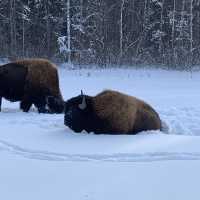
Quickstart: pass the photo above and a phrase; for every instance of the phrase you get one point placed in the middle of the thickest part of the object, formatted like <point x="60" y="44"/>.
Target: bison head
<point x="55" y="104"/>
<point x="78" y="113"/>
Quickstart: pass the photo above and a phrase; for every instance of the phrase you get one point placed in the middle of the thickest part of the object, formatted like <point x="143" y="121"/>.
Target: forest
<point x="163" y="33"/>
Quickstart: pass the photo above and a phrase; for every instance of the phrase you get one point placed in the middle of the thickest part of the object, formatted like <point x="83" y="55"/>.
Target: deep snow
<point x="43" y="159"/>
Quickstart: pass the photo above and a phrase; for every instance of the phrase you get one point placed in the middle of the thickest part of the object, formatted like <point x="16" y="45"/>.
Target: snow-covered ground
<point x="43" y="159"/>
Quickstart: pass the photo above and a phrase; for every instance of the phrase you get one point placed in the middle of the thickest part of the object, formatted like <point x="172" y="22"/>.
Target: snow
<point x="43" y="159"/>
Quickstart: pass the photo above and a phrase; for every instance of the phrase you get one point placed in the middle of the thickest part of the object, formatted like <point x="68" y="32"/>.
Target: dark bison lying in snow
<point x="31" y="81"/>
<point x="110" y="112"/>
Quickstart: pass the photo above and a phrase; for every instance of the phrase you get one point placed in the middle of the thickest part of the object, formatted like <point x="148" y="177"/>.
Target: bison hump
<point x="116" y="109"/>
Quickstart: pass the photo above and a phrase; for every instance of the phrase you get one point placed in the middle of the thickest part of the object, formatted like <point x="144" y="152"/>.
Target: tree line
<point x="122" y="32"/>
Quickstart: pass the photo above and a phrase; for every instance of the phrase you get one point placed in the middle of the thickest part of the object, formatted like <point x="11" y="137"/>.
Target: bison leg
<point x="42" y="109"/>
<point x="0" y="103"/>
<point x="41" y="106"/>
<point x="25" y="105"/>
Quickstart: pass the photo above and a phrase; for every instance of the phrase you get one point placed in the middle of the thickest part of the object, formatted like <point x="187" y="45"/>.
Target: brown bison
<point x="32" y="81"/>
<point x="110" y="112"/>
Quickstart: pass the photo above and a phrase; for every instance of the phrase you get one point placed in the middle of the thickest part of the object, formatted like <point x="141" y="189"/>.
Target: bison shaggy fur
<point x="31" y="81"/>
<point x="110" y="112"/>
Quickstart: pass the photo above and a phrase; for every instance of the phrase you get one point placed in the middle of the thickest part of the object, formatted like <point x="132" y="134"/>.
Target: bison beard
<point x="31" y="82"/>
<point x="110" y="112"/>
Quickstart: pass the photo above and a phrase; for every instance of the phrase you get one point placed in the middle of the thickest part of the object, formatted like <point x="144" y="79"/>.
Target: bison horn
<point x="83" y="104"/>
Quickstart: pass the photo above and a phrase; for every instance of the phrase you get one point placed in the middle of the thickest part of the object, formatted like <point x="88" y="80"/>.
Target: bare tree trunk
<point x="81" y="13"/>
<point x="198" y="33"/>
<point x="11" y="27"/>
<point x="121" y="29"/>
<point x="191" y="36"/>
<point x="47" y="27"/>
<point x="182" y="21"/>
<point x="161" y="29"/>
<point x="173" y="33"/>
<point x="23" y="35"/>
<point x="191" y="28"/>
<point x="144" y="27"/>
<point x="68" y="31"/>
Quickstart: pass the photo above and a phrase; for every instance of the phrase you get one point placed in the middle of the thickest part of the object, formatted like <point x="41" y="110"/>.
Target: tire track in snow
<point x="118" y="157"/>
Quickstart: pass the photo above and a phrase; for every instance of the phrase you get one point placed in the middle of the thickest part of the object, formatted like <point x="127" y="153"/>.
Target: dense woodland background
<point x="122" y="32"/>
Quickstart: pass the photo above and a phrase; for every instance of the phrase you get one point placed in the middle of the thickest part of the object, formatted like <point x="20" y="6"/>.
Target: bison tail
<point x="164" y="127"/>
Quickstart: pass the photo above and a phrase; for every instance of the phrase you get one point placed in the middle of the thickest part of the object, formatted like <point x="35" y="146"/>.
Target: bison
<point x="110" y="112"/>
<point x="32" y="81"/>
